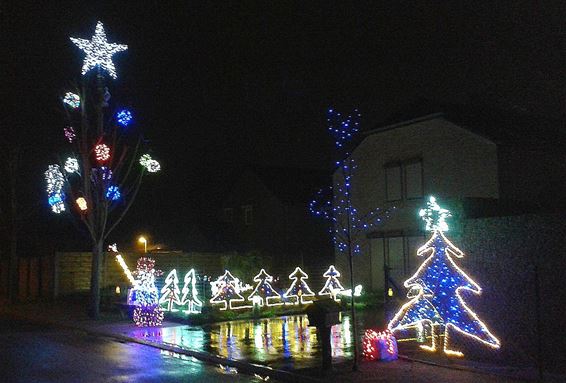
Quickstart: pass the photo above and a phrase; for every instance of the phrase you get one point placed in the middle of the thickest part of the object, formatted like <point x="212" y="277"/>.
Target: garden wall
<point x="506" y="256"/>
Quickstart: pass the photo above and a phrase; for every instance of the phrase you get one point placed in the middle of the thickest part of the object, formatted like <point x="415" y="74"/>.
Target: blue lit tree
<point x="349" y="225"/>
<point x="103" y="170"/>
<point x="435" y="290"/>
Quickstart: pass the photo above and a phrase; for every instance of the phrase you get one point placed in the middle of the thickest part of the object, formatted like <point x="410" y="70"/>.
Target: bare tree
<point x="335" y="204"/>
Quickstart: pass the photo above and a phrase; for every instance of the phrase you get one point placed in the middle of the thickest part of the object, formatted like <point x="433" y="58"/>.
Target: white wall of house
<point x="398" y="166"/>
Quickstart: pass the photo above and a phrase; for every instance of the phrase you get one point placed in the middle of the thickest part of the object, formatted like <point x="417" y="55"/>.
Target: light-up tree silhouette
<point x="190" y="293"/>
<point x="332" y="286"/>
<point x="170" y="293"/>
<point x="299" y="289"/>
<point x="349" y="225"/>
<point x="226" y="291"/>
<point x="435" y="290"/>
<point x="263" y="292"/>
<point x="99" y="180"/>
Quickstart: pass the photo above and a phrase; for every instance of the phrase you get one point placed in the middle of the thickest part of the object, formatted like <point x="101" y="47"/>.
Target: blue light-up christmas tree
<point x="101" y="177"/>
<point x="435" y="290"/>
<point x="349" y="225"/>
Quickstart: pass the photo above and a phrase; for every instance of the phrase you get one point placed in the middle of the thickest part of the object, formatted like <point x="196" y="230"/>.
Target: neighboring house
<point x="266" y="211"/>
<point x="400" y="164"/>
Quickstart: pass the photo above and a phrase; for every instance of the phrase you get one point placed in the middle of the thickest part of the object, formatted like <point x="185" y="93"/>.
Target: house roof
<point x="292" y="185"/>
<point x="503" y="127"/>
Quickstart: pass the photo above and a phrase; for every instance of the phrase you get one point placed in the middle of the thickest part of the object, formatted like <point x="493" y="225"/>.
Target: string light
<point x="102" y="152"/>
<point x="82" y="204"/>
<point x="263" y="291"/>
<point x="342" y="128"/>
<point x="99" y="51"/>
<point x="435" y="216"/>
<point x="150" y="164"/>
<point x="125" y="267"/>
<point x="145" y="294"/>
<point x="190" y="294"/>
<point x="332" y="287"/>
<point x="69" y="133"/>
<point x="380" y="345"/>
<point x="55" y="195"/>
<point x="71" y="165"/>
<point x="72" y="99"/>
<point x="113" y="193"/>
<point x="299" y="289"/>
<point x="124" y="117"/>
<point x="170" y="293"/>
<point x="435" y="290"/>
<point x="226" y="292"/>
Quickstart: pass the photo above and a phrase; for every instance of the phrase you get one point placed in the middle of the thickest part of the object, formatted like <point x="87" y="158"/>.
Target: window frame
<point x="248" y="220"/>
<point x="391" y="165"/>
<point x="411" y="161"/>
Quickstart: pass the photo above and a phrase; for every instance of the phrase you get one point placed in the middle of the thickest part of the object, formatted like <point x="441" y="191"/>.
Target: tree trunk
<point x="97" y="254"/>
<point x="13" y="272"/>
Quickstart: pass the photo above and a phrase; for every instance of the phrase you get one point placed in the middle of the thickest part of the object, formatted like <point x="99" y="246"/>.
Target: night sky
<point x="216" y="86"/>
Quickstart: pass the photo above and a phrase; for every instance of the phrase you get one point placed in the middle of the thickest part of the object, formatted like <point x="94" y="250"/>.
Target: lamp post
<point x="143" y="240"/>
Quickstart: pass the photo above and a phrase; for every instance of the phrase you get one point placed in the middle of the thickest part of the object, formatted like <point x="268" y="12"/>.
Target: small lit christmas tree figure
<point x="170" y="292"/>
<point x="263" y="292"/>
<point x="299" y="289"/>
<point x="145" y="295"/>
<point x="190" y="294"/>
<point x="226" y="291"/>
<point x="435" y="290"/>
<point x="332" y="286"/>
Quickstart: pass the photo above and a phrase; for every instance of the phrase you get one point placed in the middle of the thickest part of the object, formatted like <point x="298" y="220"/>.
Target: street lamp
<point x="143" y="240"/>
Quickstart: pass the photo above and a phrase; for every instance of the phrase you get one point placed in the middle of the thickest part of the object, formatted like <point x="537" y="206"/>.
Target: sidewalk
<point x="73" y="316"/>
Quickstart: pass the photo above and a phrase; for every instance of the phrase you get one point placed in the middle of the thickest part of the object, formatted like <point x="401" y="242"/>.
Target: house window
<point x="404" y="180"/>
<point x="393" y="182"/>
<point x="228" y="214"/>
<point x="413" y="179"/>
<point x="248" y="214"/>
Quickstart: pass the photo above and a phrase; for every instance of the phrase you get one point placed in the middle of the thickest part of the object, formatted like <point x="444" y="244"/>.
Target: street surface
<point x="30" y="353"/>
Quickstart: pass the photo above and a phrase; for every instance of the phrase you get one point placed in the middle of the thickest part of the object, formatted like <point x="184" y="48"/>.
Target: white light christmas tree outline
<point x="435" y="216"/>
<point x="332" y="287"/>
<point x="263" y="277"/>
<point x="170" y="292"/>
<point x="99" y="51"/>
<point x="299" y="298"/>
<point x="229" y="281"/>
<point x="194" y="301"/>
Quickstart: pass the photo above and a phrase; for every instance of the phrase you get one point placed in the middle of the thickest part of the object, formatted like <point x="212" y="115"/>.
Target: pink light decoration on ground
<point x="379" y="345"/>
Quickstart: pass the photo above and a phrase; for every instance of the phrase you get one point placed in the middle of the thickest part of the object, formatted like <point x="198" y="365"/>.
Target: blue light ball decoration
<point x="124" y="117"/>
<point x="113" y="193"/>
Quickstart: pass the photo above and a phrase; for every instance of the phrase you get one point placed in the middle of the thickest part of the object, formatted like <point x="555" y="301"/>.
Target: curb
<point x="249" y="368"/>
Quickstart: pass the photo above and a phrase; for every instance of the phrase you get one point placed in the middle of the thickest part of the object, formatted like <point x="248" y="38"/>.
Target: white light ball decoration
<point x="82" y="204"/>
<point x="150" y="164"/>
<point x="55" y="181"/>
<point x="71" y="165"/>
<point x="54" y="178"/>
<point x="72" y="99"/>
<point x="102" y="152"/>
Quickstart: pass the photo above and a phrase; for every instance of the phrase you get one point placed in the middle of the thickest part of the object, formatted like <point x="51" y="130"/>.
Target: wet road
<point x="29" y="353"/>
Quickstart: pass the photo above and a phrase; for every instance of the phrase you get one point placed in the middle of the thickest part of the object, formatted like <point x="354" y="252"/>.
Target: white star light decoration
<point x="435" y="216"/>
<point x="99" y="51"/>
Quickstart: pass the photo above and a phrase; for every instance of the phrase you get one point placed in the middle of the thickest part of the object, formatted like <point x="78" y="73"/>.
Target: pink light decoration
<point x="70" y="134"/>
<point x="379" y="345"/>
<point x="102" y="152"/>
